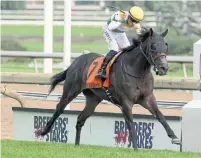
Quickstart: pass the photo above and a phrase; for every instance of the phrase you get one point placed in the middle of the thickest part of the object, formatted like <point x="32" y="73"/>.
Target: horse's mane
<point x="136" y="41"/>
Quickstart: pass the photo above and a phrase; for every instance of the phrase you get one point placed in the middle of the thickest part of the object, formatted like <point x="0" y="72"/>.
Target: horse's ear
<point x="151" y="32"/>
<point x="164" y="33"/>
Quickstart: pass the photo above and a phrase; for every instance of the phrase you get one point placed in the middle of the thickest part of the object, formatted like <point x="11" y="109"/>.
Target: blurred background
<point x="22" y="29"/>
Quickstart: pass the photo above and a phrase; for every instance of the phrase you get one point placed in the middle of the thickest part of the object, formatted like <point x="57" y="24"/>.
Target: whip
<point x="116" y="8"/>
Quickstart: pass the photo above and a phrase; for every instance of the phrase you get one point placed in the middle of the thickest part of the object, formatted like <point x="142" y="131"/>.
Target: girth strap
<point x="111" y="98"/>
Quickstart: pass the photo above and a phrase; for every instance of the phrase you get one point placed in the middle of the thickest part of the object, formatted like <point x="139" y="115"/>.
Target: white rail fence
<point x="79" y="18"/>
<point x="93" y="14"/>
<point x="176" y="83"/>
<point x="183" y="60"/>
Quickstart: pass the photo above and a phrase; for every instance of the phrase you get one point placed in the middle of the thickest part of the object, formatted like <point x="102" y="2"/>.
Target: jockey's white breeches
<point x="116" y="40"/>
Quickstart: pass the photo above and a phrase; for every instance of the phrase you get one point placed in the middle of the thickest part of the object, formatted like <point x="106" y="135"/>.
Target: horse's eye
<point x="166" y="46"/>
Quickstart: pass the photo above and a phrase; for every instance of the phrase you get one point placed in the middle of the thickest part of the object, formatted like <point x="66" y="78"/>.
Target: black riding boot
<point x="102" y="70"/>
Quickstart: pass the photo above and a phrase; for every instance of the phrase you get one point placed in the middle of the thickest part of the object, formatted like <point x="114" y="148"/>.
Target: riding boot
<point x="102" y="71"/>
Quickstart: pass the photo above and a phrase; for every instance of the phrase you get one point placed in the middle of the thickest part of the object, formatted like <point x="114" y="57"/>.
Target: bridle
<point x="151" y="59"/>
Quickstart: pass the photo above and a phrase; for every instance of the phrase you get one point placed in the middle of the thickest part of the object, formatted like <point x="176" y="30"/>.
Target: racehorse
<point x="131" y="82"/>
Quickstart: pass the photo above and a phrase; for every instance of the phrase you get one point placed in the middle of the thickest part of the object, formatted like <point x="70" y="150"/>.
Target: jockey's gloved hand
<point x="126" y="16"/>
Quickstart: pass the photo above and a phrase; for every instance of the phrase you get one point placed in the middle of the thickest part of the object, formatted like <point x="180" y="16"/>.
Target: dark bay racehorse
<point x="131" y="82"/>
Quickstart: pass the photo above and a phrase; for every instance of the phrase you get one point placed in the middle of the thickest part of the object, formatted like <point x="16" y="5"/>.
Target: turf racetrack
<point x="23" y="149"/>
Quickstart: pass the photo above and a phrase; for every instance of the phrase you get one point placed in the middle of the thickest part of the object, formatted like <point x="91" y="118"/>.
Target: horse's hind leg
<point x="70" y="91"/>
<point x="151" y="104"/>
<point x="91" y="102"/>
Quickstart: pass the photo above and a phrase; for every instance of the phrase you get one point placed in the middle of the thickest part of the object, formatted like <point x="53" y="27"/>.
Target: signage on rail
<point x="105" y="129"/>
<point x="144" y="134"/>
<point x="59" y="131"/>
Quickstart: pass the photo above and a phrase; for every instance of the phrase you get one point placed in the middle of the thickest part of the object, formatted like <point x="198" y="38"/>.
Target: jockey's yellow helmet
<point x="136" y="13"/>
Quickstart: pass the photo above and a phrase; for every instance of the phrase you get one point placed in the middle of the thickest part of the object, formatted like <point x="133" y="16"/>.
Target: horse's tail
<point x="57" y="78"/>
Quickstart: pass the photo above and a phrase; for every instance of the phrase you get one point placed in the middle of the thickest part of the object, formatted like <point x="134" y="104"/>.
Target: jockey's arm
<point x="115" y="24"/>
<point x="116" y="20"/>
<point x="138" y="28"/>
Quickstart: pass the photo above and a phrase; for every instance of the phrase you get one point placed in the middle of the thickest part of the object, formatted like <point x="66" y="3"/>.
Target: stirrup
<point x="101" y="74"/>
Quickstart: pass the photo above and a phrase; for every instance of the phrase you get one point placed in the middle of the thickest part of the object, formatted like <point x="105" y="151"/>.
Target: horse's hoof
<point x="176" y="141"/>
<point x="38" y="132"/>
<point x="135" y="148"/>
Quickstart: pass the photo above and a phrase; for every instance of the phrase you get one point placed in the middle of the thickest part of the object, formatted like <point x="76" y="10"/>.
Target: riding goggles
<point x="133" y="20"/>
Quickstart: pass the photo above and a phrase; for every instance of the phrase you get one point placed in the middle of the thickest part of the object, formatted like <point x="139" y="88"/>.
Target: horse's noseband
<point x="161" y="55"/>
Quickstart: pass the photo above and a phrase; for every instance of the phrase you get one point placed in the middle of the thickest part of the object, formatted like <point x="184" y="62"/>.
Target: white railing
<point x="177" y="83"/>
<point x="59" y="55"/>
<point x="81" y="14"/>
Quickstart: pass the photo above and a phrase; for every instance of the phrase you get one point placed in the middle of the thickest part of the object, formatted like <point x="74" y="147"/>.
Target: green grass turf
<point x="98" y="47"/>
<point x="23" y="149"/>
<point x="57" y="30"/>
<point x="22" y="67"/>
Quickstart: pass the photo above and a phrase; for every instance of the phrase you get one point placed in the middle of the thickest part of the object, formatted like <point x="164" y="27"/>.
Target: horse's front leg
<point x="127" y="112"/>
<point x="150" y="103"/>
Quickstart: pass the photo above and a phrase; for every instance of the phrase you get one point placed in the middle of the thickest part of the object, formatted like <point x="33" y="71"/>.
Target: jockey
<point x="114" y="33"/>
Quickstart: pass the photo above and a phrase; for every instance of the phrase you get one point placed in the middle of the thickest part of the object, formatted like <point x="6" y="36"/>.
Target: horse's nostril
<point x="163" y="68"/>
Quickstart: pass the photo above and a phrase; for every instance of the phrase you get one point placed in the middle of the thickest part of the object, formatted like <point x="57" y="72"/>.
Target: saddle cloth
<point x="93" y="82"/>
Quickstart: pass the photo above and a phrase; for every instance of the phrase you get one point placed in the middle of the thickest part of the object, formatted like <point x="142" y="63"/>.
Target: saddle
<point x="93" y="82"/>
